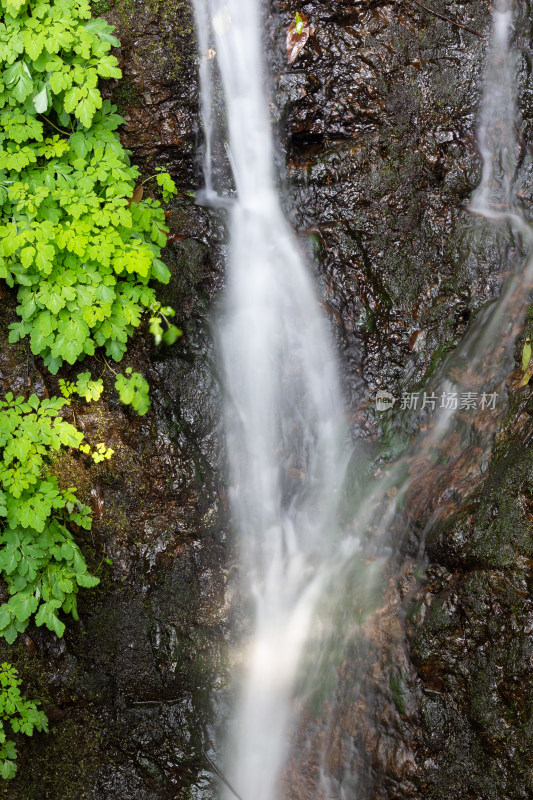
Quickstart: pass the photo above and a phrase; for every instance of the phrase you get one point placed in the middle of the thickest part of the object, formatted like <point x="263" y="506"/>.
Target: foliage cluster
<point x="81" y="244"/>
<point x="160" y="327"/>
<point x="40" y="562"/>
<point x="133" y="390"/>
<point x="72" y="238"/>
<point x="22" y="715"/>
<point x="85" y="386"/>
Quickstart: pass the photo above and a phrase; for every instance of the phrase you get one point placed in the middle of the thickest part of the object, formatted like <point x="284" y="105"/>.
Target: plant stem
<point x="448" y="19"/>
<point x="59" y="130"/>
<point x="108" y="366"/>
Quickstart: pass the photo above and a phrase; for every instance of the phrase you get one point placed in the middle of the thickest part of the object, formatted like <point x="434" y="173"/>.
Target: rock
<point x="382" y="158"/>
<point x="381" y="149"/>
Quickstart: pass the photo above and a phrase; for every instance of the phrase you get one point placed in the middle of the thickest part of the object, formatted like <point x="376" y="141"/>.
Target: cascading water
<point x="284" y="413"/>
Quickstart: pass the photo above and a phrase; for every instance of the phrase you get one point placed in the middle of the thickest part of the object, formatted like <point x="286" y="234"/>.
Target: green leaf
<point x="8" y="769"/>
<point x="79" y="563"/>
<point x="26" y="256"/>
<point x="41" y="101"/>
<point x="87" y="388"/>
<point x="167" y="185"/>
<point x="54" y="624"/>
<point x="160" y="271"/>
<point x="5" y="616"/>
<point x="526" y="355"/>
<point x="170" y="336"/>
<point x="10" y="634"/>
<point x="87" y="581"/>
<point x="18" y="79"/>
<point x="67" y="551"/>
<point x="103" y="31"/>
<point x="23" y="605"/>
<point x="59" y="81"/>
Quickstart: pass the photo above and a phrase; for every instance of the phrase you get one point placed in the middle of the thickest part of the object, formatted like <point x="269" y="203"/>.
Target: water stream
<point x="284" y="416"/>
<point x="284" y="413"/>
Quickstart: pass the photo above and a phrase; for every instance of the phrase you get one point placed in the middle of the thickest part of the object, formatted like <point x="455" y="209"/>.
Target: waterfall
<point x="493" y="198"/>
<point x="284" y="415"/>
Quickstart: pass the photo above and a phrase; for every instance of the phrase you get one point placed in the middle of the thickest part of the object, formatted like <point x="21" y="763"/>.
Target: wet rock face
<point x="380" y="135"/>
<point x="472" y="642"/>
<point x="379" y="131"/>
<point x="382" y="161"/>
<point x="158" y="93"/>
<point x="128" y="690"/>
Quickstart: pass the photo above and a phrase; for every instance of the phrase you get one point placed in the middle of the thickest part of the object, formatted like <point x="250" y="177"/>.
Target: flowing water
<point x="284" y="413"/>
<point x="284" y="417"/>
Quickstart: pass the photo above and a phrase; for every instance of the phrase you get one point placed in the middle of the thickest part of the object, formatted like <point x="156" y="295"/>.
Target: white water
<point x="284" y="413"/>
<point x="493" y="198"/>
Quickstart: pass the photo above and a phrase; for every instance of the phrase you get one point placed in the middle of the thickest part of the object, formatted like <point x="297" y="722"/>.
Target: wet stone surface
<point x="158" y="93"/>
<point x="128" y="689"/>
<point x="382" y="161"/>
<point x="380" y="137"/>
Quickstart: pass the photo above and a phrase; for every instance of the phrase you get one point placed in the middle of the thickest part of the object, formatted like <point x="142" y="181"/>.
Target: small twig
<point x="449" y="19"/>
<point x="28" y="382"/>
<point x="220" y="775"/>
<point x="155" y="702"/>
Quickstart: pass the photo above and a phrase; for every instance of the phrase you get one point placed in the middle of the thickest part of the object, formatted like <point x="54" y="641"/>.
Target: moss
<point x="72" y="744"/>
<point x="495" y="531"/>
<point x="398" y="688"/>
<point x="71" y="472"/>
<point x="31" y="669"/>
<point x="437" y="357"/>
<point x="474" y="648"/>
<point x="126" y="95"/>
<point x="99" y="7"/>
<point x="171" y="50"/>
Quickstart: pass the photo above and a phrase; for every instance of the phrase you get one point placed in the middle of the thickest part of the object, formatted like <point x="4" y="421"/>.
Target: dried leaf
<point x="416" y="340"/>
<point x="137" y="195"/>
<point x="297" y="37"/>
